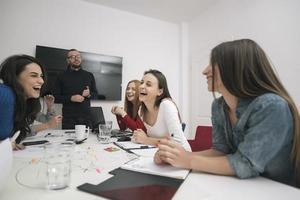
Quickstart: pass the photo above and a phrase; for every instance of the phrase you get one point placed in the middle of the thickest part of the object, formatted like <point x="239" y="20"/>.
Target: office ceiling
<point x="175" y="11"/>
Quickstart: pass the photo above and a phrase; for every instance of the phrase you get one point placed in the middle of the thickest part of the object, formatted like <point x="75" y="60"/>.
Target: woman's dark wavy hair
<point x="132" y="108"/>
<point x="246" y="72"/>
<point x="162" y="84"/>
<point x="25" y="109"/>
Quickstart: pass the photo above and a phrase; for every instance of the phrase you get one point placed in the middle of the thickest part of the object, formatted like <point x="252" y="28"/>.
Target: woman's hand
<point x="17" y="147"/>
<point x="54" y="121"/>
<point x="49" y="99"/>
<point x="139" y="136"/>
<point x="173" y="153"/>
<point x="113" y="109"/>
<point x="117" y="110"/>
<point x="158" y="160"/>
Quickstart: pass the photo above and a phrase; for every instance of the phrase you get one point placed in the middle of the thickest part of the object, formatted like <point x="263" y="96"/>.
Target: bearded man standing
<point x="74" y="89"/>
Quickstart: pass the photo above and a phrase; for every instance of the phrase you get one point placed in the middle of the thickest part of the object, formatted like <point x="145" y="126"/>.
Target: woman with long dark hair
<point x="22" y="80"/>
<point x="256" y="124"/>
<point x="24" y="76"/>
<point x="159" y="112"/>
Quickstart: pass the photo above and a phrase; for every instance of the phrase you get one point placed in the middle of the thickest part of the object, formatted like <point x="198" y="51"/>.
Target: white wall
<point x="142" y="42"/>
<point x="145" y="42"/>
<point x="274" y="24"/>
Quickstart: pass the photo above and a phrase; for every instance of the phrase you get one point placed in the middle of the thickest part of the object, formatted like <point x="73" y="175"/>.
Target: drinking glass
<point x="104" y="135"/>
<point x="58" y="157"/>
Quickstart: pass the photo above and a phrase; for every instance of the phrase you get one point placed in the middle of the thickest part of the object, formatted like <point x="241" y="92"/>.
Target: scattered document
<point x="147" y="165"/>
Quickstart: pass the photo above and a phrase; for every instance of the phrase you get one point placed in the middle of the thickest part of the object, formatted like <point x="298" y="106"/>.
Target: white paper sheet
<point x="147" y="165"/>
<point x="145" y="152"/>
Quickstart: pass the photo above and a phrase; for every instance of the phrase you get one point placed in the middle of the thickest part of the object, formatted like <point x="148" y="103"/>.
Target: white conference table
<point x="92" y="164"/>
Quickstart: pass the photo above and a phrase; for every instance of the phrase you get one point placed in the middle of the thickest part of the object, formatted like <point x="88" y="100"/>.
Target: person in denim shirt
<point x="256" y="144"/>
<point x="256" y="124"/>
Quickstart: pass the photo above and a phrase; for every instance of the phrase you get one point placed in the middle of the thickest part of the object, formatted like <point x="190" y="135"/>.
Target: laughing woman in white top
<point x="159" y="113"/>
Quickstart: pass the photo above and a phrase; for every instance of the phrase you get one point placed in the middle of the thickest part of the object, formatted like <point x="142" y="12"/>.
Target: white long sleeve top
<point x="168" y="124"/>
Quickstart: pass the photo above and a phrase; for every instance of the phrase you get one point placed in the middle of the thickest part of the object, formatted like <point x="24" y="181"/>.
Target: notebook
<point x="130" y="185"/>
<point x="147" y="165"/>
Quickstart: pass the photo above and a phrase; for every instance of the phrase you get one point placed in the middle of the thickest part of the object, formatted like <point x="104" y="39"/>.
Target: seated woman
<point x="256" y="125"/>
<point x="159" y="113"/>
<point x="128" y="117"/>
<point x="49" y="120"/>
<point x="22" y="78"/>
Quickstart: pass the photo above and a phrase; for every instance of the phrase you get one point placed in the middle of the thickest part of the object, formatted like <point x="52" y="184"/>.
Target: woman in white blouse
<point x="158" y="112"/>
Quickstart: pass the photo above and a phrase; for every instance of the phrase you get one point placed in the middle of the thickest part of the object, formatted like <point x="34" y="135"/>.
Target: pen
<point x="132" y="160"/>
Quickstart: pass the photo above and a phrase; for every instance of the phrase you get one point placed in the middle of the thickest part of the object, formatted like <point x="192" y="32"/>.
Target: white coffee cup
<point x="81" y="132"/>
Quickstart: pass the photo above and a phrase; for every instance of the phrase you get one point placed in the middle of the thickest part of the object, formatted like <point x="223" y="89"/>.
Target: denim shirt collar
<point x="241" y="107"/>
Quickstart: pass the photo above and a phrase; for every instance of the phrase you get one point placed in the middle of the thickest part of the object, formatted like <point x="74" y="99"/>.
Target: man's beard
<point x="76" y="67"/>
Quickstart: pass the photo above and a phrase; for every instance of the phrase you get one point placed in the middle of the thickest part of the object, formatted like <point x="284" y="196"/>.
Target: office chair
<point x="203" y="139"/>
<point x="97" y="117"/>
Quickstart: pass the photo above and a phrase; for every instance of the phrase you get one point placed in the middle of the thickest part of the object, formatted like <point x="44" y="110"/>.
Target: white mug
<point x="81" y="132"/>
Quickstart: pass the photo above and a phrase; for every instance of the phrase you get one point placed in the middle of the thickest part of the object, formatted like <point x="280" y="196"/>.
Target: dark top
<point x="73" y="82"/>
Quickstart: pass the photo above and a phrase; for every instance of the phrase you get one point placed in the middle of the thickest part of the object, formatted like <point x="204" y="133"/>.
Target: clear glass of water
<point x="58" y="157"/>
<point x="104" y="135"/>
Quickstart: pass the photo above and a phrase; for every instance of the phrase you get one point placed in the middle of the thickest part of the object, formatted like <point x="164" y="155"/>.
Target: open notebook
<point x="147" y="165"/>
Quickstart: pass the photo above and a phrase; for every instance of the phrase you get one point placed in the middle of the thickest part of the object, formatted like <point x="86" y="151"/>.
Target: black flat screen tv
<point x="106" y="69"/>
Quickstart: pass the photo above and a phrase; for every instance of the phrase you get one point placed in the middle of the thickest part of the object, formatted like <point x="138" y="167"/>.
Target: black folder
<point x="130" y="185"/>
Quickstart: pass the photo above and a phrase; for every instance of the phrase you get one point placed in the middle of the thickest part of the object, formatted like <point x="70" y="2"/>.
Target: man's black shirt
<point x="72" y="82"/>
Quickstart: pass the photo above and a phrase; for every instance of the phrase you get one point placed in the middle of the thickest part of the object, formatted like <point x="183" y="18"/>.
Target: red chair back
<point x="203" y="139"/>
